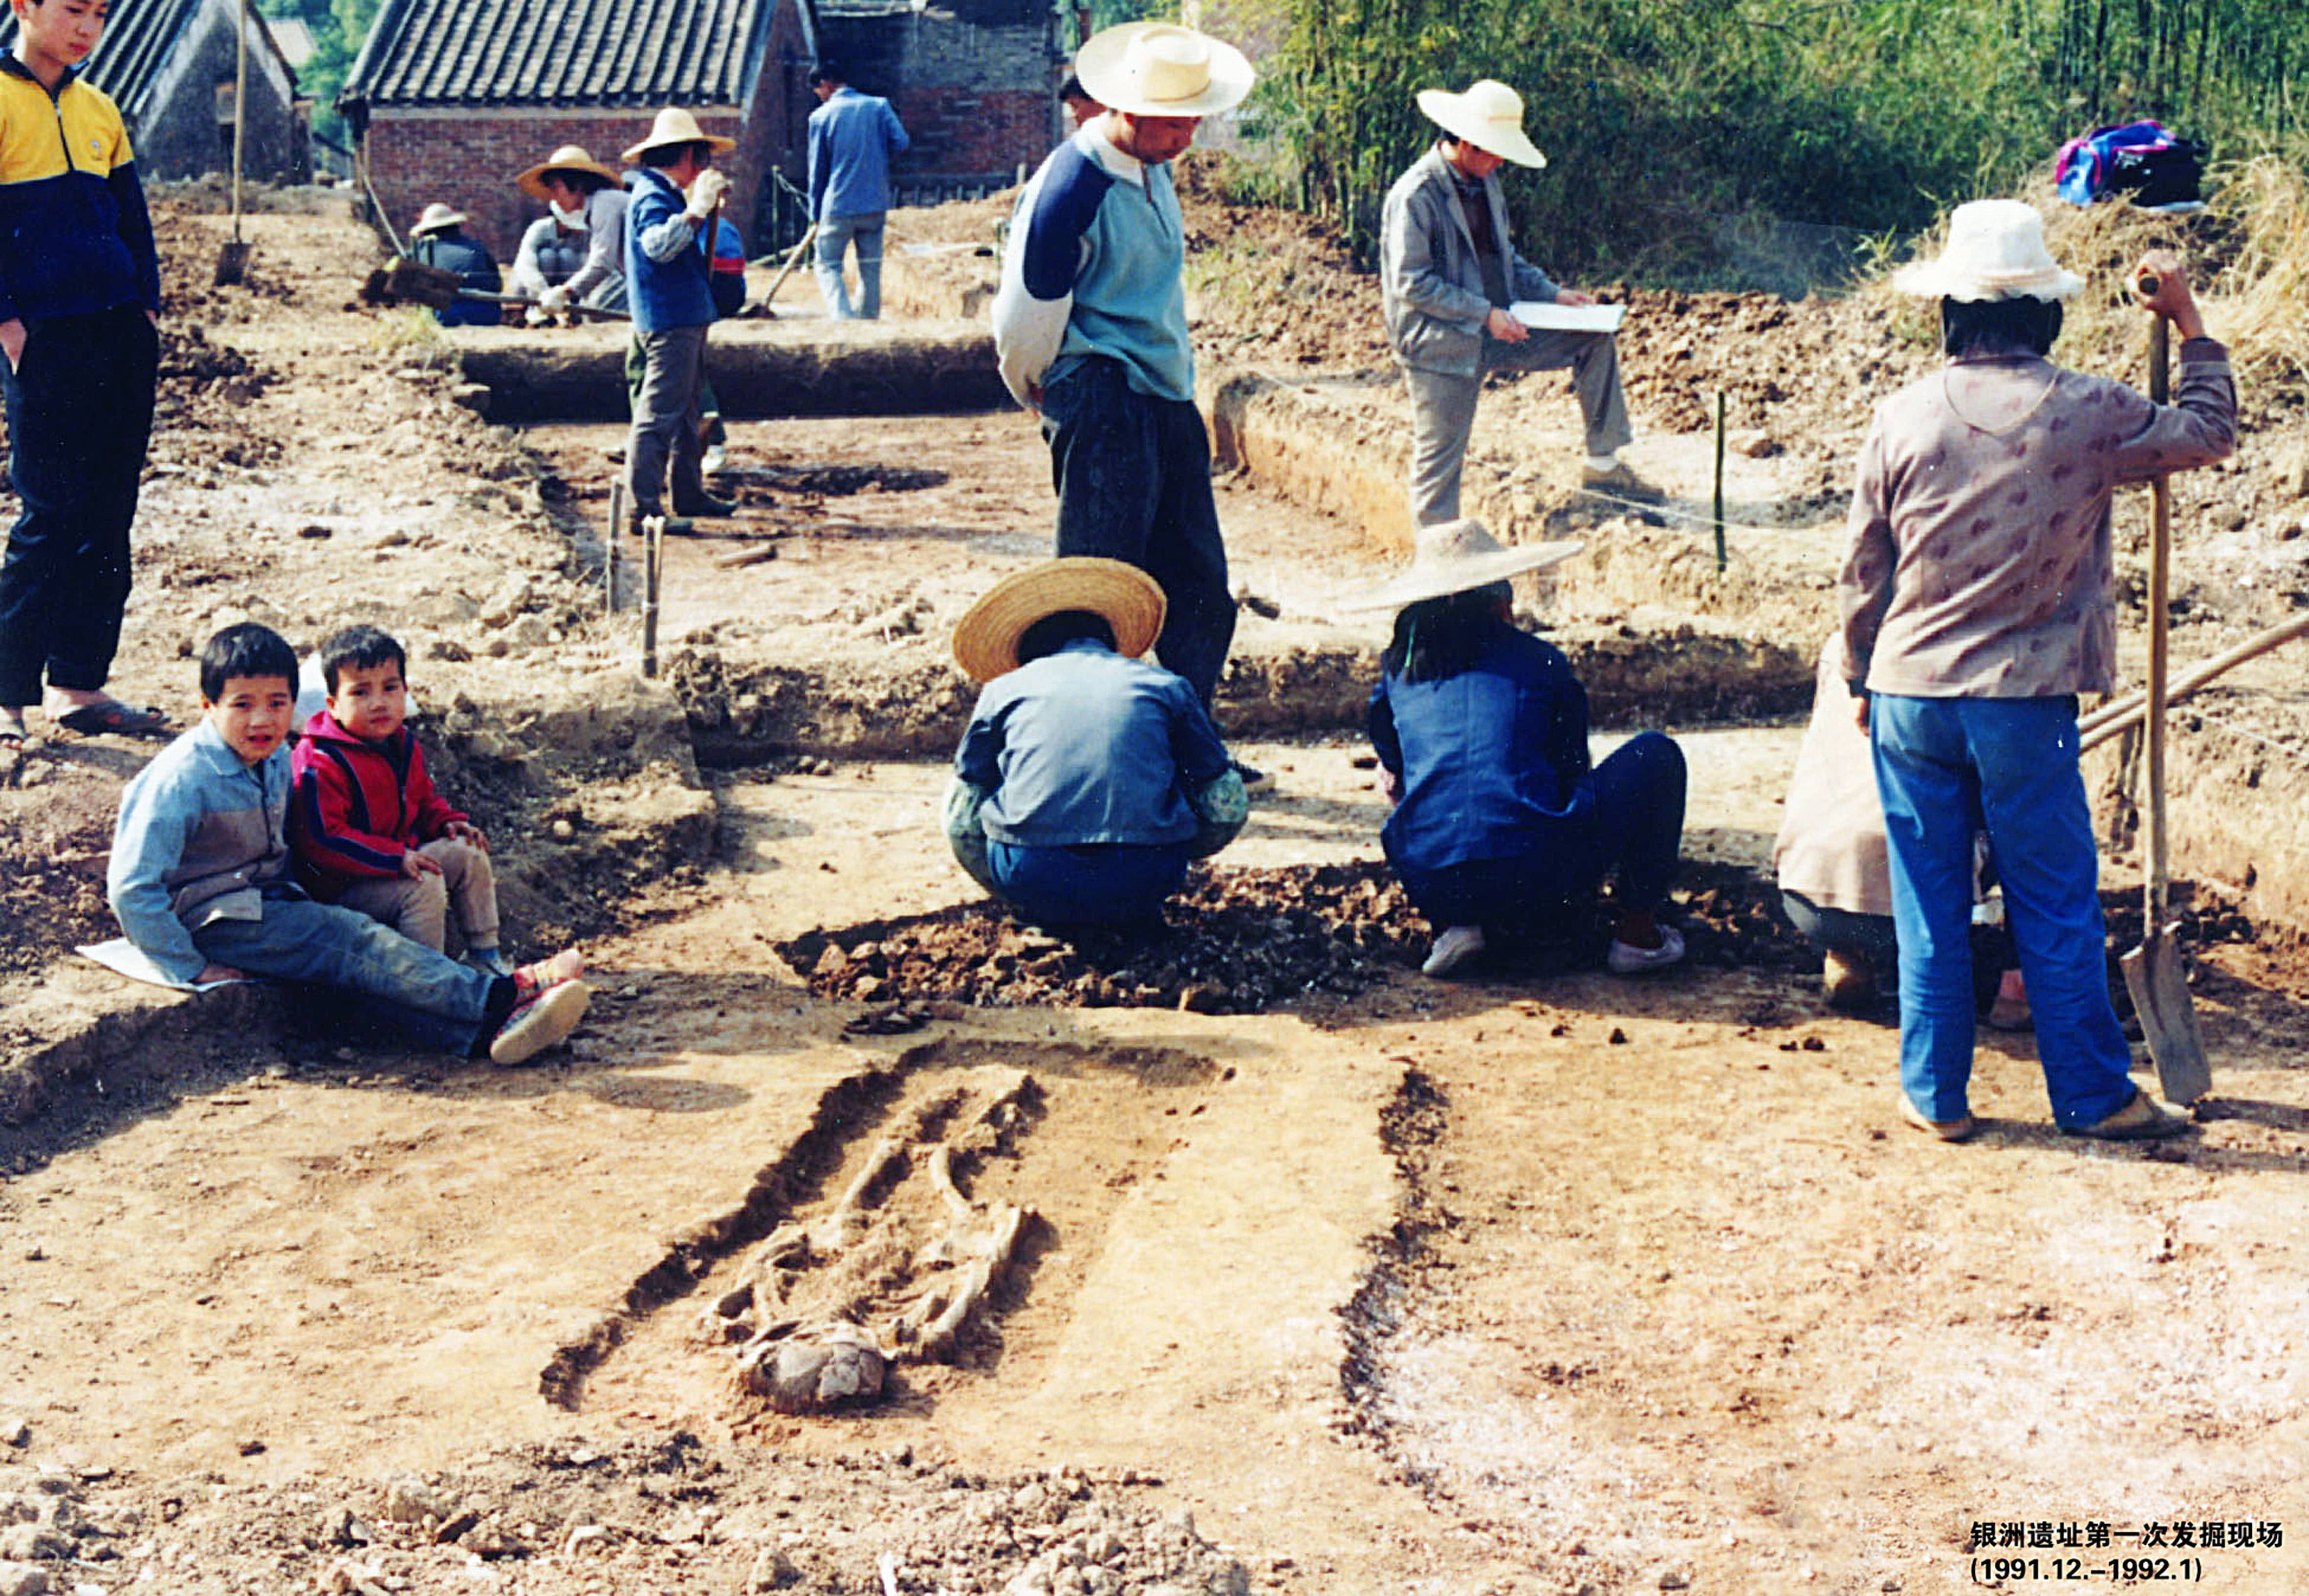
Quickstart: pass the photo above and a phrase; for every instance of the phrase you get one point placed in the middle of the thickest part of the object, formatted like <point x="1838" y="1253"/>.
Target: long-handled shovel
<point x="2152" y="971"/>
<point x="232" y="260"/>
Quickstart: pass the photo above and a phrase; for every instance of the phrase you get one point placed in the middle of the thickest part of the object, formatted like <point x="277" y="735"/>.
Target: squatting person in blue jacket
<point x="1482" y="730"/>
<point x="1088" y="779"/>
<point x="79" y="300"/>
<point x="1090" y="327"/>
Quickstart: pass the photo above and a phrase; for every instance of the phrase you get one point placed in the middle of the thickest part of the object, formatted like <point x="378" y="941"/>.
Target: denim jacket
<point x="202" y="836"/>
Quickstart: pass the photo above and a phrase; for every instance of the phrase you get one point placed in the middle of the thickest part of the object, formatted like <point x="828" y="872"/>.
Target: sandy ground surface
<point x="1530" y="1283"/>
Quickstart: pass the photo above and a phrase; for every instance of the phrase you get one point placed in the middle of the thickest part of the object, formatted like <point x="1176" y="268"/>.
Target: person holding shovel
<point x="588" y="202"/>
<point x="668" y="278"/>
<point x="1976" y="600"/>
<point x="439" y="239"/>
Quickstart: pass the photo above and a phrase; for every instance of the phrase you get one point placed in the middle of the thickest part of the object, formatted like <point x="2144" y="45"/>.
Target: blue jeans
<point x="1634" y="826"/>
<point x="1114" y="884"/>
<point x="1134" y="480"/>
<point x="441" y="1004"/>
<point x="837" y="234"/>
<point x="1869" y="936"/>
<point x="1946" y="767"/>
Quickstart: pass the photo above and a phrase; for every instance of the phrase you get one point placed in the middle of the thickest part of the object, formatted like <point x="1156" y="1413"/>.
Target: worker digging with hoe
<point x="669" y="280"/>
<point x="1090" y="329"/>
<point x="1449" y="270"/>
<point x="439" y="240"/>
<point x="1976" y="597"/>
<point x="79" y="304"/>
<point x="852" y="138"/>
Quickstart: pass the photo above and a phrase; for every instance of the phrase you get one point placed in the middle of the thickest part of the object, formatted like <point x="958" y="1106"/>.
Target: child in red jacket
<point x="368" y="831"/>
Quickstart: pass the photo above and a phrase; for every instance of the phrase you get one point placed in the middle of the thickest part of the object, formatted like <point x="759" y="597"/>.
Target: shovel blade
<point x="232" y="263"/>
<point x="2168" y="1016"/>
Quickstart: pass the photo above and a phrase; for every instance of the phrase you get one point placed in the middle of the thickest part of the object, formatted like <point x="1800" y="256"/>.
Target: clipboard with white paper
<point x="1545" y="317"/>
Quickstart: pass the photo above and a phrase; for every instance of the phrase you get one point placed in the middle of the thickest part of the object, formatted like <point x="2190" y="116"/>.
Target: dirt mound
<point x="669" y="1513"/>
<point x="1243" y="941"/>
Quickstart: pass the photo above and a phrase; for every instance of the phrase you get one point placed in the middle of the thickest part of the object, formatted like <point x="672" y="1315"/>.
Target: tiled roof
<point x="139" y="40"/>
<point x="643" y="53"/>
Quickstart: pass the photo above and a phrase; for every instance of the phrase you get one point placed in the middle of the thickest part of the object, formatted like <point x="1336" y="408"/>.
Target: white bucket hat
<point x="1995" y="250"/>
<point x="1157" y="69"/>
<point x="1489" y="115"/>
<point x="676" y="127"/>
<point x="435" y="217"/>
<point x="1451" y="557"/>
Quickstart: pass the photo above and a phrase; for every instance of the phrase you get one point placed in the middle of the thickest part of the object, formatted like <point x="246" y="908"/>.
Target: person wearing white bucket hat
<point x="1499" y="823"/>
<point x="1090" y="327"/>
<point x="1449" y="270"/>
<point x="1976" y="597"/>
<point x="1088" y="779"/>
<point x="438" y="240"/>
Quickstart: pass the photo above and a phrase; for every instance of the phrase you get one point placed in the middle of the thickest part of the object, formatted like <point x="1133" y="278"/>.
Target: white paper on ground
<point x="124" y="957"/>
<point x="1568" y="318"/>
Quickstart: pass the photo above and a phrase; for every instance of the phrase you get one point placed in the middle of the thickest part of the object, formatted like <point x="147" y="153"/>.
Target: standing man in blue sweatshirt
<point x="79" y="299"/>
<point x="668" y="285"/>
<point x="1090" y="327"/>
<point x="852" y="138"/>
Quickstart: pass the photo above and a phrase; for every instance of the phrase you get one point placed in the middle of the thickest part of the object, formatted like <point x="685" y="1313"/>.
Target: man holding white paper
<point x="1461" y="302"/>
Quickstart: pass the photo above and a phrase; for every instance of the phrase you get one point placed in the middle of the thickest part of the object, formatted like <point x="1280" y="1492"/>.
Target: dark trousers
<point x="1634" y="827"/>
<point x="1134" y="480"/>
<point x="1115" y="883"/>
<point x="80" y="416"/>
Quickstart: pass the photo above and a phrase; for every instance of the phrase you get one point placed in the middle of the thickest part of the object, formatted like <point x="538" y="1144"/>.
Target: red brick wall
<point x="955" y="129"/>
<point x="469" y="162"/>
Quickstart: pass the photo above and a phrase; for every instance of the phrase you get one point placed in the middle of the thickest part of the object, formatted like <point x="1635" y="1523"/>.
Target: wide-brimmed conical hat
<point x="1159" y="69"/>
<point x="569" y="157"/>
<point x="1130" y="601"/>
<point x="1489" y="115"/>
<point x="1452" y="556"/>
<point x="676" y="126"/>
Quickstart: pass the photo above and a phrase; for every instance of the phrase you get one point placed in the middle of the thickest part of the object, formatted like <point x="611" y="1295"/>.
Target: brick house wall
<point x="469" y="161"/>
<point x="975" y="83"/>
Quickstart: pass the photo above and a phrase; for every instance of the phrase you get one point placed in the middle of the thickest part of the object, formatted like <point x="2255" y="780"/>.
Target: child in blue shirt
<point x="201" y="880"/>
<point x="1088" y="779"/>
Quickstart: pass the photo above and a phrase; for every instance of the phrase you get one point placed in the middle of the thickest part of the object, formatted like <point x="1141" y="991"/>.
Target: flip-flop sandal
<point x="115" y="719"/>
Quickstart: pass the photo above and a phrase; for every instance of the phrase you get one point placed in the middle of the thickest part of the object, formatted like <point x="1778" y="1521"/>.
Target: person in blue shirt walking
<point x="1090" y="328"/>
<point x="1089" y="781"/>
<point x="852" y="138"/>
<point x="1482" y="730"/>
<point x="668" y="285"/>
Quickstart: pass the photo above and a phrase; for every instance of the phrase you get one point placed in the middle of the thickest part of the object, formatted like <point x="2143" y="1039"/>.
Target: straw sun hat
<point x="1157" y="69"/>
<point x="435" y="217"/>
<point x="1452" y="556"/>
<point x="986" y="641"/>
<point x="1489" y="115"/>
<point x="569" y="157"/>
<point x="1995" y="250"/>
<point x="675" y="127"/>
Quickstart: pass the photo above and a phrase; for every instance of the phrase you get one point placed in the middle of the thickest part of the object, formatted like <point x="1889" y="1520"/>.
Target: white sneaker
<point x="715" y="460"/>
<point x="1456" y="946"/>
<point x="1624" y="959"/>
<point x="536" y="1025"/>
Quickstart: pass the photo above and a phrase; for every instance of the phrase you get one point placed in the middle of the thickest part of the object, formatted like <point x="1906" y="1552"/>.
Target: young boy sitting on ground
<point x="1088" y="779"/>
<point x="201" y="882"/>
<point x="368" y="828"/>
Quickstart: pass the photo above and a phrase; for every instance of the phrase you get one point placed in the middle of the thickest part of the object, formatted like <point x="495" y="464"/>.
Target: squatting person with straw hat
<point x="669" y="280"/>
<point x="1088" y="779"/>
<point x="588" y="199"/>
<point x="1499" y="823"/>
<point x="1090" y="327"/>
<point x="1976" y="602"/>
<point x="1449" y="270"/>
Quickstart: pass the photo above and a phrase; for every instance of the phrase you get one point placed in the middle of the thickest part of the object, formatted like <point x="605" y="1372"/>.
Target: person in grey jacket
<point x="1448" y="271"/>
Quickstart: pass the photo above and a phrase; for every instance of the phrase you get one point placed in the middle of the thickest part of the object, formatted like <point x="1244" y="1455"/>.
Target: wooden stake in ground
<point x="2152" y="971"/>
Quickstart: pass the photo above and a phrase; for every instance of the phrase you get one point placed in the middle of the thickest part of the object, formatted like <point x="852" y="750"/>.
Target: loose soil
<point x="1540" y="1282"/>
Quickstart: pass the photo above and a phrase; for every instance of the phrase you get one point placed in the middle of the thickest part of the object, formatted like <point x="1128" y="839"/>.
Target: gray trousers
<point x="1443" y="409"/>
<point x="666" y="421"/>
<point x="420" y="910"/>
